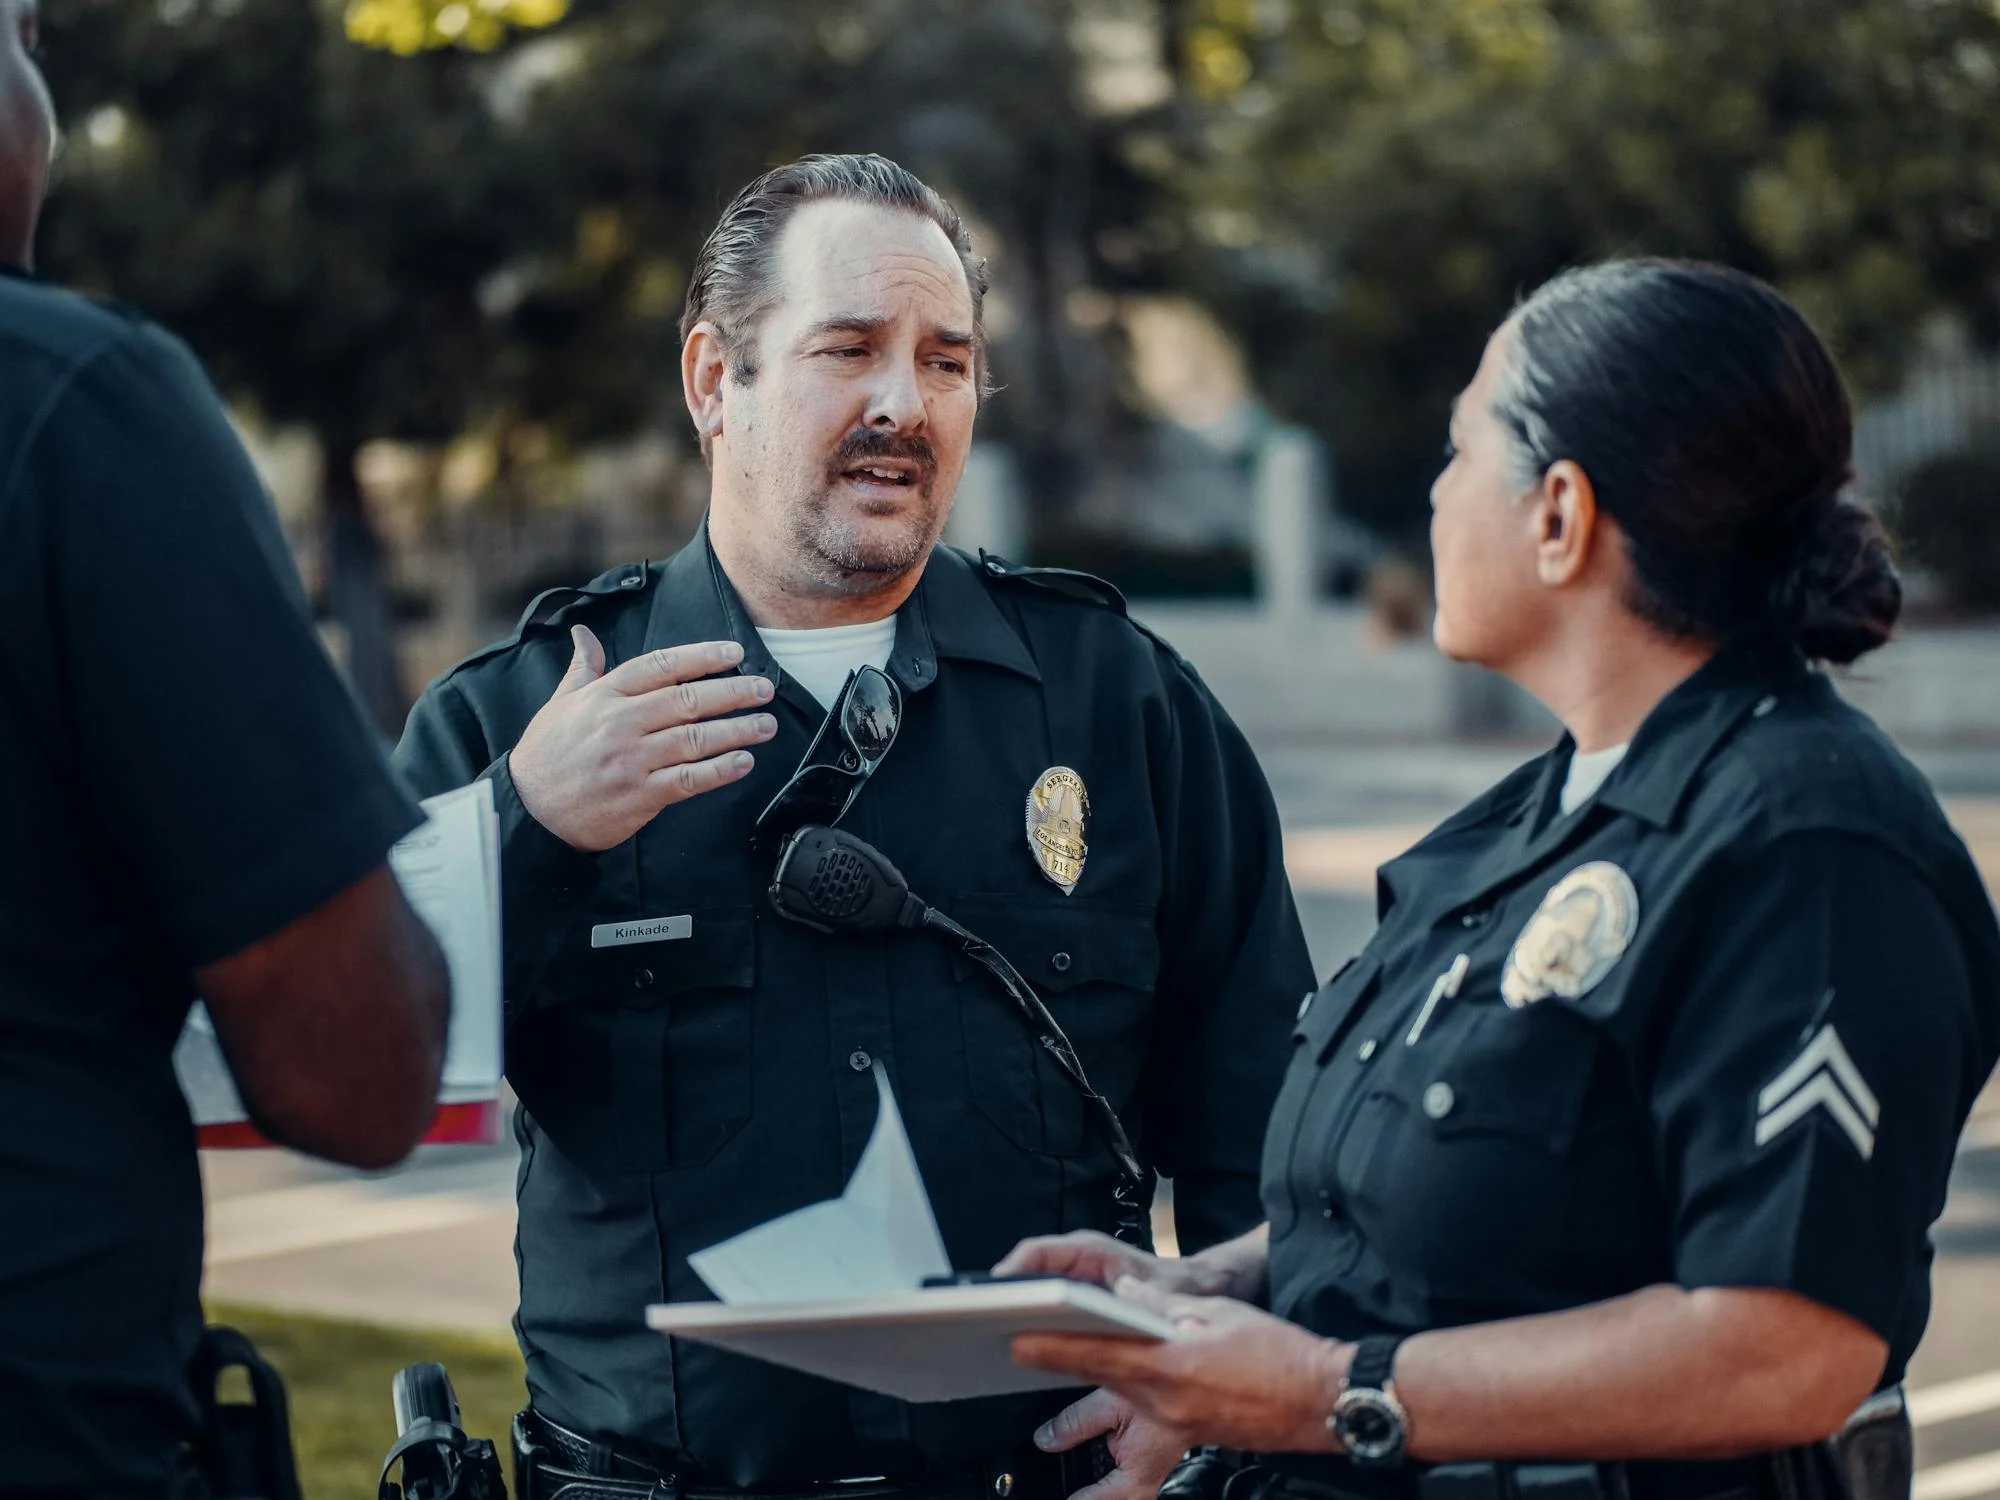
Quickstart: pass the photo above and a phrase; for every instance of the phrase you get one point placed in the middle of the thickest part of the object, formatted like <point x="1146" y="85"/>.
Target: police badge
<point x="1058" y="818"/>
<point x="1584" y="924"/>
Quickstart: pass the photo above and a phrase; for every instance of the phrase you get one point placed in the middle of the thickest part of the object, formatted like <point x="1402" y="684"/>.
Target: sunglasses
<point x="855" y="738"/>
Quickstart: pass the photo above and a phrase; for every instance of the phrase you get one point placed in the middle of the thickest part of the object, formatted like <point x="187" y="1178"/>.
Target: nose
<point x="897" y="402"/>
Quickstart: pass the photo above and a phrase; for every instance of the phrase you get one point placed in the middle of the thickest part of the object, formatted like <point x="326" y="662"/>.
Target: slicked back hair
<point x="733" y="286"/>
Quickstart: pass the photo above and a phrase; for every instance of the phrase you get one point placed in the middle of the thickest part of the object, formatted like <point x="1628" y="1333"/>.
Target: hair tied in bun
<point x="1837" y="597"/>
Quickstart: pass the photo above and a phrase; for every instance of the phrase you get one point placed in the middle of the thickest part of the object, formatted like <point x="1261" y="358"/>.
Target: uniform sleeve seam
<point x="58" y="394"/>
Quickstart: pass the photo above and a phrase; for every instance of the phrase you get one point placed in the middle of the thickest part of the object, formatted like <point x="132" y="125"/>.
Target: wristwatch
<point x="1368" y="1420"/>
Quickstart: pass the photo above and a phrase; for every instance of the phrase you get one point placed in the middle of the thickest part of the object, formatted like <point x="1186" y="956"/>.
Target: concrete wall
<point x="1321" y="676"/>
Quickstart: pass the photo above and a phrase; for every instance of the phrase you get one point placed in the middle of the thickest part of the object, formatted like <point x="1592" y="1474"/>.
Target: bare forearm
<point x="1662" y="1373"/>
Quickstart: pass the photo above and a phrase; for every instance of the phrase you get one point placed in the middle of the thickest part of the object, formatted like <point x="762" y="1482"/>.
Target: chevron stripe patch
<point x="1824" y="1077"/>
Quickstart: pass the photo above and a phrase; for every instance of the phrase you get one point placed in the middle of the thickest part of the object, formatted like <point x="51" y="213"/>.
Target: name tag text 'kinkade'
<point x="648" y="930"/>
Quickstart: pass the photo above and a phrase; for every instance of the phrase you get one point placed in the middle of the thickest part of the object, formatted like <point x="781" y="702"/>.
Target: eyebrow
<point x="868" y="324"/>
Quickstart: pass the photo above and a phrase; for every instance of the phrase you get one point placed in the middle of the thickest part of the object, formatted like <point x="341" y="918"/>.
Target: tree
<point x="316" y="218"/>
<point x="1366" y="185"/>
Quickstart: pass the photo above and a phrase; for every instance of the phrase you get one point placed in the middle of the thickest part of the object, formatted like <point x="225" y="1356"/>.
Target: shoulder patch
<point x="551" y="606"/>
<point x="1085" y="586"/>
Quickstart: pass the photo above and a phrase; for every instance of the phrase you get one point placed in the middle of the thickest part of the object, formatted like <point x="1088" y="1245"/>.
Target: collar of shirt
<point x="951" y="615"/>
<point x="1676" y="741"/>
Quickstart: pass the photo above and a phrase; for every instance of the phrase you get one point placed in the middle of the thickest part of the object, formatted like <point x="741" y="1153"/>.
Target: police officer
<point x="1621" y="1140"/>
<point x="690" y="1065"/>
<point x="191" y="803"/>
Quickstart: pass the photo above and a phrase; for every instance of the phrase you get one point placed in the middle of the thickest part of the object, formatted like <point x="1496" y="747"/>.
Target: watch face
<point x="1369" y="1424"/>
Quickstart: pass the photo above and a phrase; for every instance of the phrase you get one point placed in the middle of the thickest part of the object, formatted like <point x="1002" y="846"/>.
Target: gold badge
<point x="1584" y="924"/>
<point x="1058" y="818"/>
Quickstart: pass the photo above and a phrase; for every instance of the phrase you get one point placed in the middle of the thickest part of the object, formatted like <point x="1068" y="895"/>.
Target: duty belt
<point x="553" y="1463"/>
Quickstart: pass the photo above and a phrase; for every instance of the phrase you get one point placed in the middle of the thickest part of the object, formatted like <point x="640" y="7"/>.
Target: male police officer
<point x="191" y="801"/>
<point x="1059" y="782"/>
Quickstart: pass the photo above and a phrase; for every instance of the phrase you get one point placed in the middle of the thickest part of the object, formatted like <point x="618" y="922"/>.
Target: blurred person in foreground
<point x="690" y="1066"/>
<point x="1621" y="1141"/>
<point x="193" y="805"/>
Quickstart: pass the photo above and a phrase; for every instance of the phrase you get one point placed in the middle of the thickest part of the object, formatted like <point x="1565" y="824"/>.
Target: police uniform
<point x="1719" y="1027"/>
<point x="678" y="1091"/>
<point x="184" y="775"/>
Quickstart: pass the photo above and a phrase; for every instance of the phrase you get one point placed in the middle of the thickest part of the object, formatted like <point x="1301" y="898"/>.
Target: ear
<point x="1563" y="511"/>
<point x="703" y="368"/>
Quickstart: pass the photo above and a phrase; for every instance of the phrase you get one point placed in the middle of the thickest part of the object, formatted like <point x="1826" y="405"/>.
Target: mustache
<point x="859" y="446"/>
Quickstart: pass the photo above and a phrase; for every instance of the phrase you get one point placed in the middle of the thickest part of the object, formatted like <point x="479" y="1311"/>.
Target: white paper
<point x="943" y="1344"/>
<point x="449" y="870"/>
<point x="877" y="1238"/>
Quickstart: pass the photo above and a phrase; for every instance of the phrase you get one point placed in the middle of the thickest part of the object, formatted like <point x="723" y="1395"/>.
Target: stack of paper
<point x="449" y="870"/>
<point x="836" y="1289"/>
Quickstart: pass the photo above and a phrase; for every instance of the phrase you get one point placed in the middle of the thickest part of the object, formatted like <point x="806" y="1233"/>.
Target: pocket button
<point x="1060" y="963"/>
<point x="1439" y="1100"/>
<point x="642" y="979"/>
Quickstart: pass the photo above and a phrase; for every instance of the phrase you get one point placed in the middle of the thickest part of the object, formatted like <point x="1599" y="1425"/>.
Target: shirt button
<point x="1367" y="1050"/>
<point x="1474" y="918"/>
<point x="642" y="979"/>
<point x="1060" y="963"/>
<point x="860" y="1061"/>
<point x="1764" y="705"/>
<point x="1438" y="1100"/>
<point x="633" y="582"/>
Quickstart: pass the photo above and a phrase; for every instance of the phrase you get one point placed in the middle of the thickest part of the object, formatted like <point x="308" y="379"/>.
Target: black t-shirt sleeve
<point x="237" y="786"/>
<point x="1813" y="1083"/>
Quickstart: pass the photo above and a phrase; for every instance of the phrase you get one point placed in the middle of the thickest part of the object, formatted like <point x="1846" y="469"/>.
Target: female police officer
<point x="1621" y="1140"/>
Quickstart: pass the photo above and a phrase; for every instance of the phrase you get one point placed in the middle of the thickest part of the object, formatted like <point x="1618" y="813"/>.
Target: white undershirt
<point x="1587" y="773"/>
<point x="821" y="659"/>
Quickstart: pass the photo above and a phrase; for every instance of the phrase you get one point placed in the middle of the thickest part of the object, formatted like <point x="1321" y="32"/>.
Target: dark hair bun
<point x="1839" y="596"/>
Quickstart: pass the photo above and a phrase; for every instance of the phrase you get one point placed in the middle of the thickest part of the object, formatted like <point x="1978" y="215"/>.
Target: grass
<point x="337" y="1376"/>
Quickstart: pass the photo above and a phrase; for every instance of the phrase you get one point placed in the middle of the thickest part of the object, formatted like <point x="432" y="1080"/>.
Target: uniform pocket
<point x="1323" y="1020"/>
<point x="1515" y="1073"/>
<point x="639" y="1058"/>
<point x="1095" y="964"/>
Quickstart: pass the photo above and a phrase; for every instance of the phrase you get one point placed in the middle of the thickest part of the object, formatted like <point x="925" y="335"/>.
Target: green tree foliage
<point x="316" y="218"/>
<point x="1368" y="184"/>
<point x="402" y="246"/>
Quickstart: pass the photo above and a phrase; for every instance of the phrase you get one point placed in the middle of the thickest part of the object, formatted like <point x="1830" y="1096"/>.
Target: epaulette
<point x="1085" y="586"/>
<point x="549" y="606"/>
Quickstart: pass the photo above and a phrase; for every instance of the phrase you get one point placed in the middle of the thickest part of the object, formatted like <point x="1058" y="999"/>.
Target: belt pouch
<point x="1470" y="1481"/>
<point x="1562" y="1482"/>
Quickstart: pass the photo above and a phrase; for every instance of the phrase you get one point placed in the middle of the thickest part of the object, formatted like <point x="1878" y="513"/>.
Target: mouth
<point x="884" y="474"/>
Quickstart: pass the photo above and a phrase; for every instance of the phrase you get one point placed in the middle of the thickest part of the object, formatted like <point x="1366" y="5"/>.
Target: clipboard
<point x="938" y="1344"/>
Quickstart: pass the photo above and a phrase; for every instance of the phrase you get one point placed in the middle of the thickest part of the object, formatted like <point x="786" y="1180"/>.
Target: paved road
<point x="432" y="1244"/>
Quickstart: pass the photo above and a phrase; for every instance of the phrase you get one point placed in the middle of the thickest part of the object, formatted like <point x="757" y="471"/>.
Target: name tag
<point x="647" y="930"/>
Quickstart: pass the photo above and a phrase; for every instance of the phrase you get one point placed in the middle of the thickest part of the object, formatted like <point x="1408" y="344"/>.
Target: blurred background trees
<point x="468" y="222"/>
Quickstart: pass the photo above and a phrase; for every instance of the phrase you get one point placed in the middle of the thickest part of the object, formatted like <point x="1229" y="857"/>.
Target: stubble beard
<point x="853" y="555"/>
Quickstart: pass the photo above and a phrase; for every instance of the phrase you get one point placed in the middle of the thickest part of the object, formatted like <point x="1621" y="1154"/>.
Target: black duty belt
<point x="553" y="1463"/>
<point x="1220" y="1474"/>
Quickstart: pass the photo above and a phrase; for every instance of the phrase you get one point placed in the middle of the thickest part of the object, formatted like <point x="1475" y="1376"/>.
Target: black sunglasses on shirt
<point x="855" y="738"/>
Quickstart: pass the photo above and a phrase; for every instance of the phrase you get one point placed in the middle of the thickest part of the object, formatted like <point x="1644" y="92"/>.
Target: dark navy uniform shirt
<point x="676" y="1093"/>
<point x="183" y="775"/>
<point x="1719" y="1027"/>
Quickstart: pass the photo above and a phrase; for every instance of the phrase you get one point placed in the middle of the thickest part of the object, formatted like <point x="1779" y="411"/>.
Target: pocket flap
<point x="1519" y="1073"/>
<point x="719" y="952"/>
<point x="1059" y="943"/>
<point x="1326" y="1015"/>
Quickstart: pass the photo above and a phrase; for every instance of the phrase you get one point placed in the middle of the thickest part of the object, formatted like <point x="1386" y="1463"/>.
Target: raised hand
<point x="609" y="750"/>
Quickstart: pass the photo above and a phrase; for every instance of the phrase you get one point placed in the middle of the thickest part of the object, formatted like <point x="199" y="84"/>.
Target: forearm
<point x="1661" y="1373"/>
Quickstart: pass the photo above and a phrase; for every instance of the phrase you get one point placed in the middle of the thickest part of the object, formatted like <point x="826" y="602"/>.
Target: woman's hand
<point x="1235" y="1376"/>
<point x="1144" y="1450"/>
<point x="1235" y="1268"/>
<point x="1087" y="1255"/>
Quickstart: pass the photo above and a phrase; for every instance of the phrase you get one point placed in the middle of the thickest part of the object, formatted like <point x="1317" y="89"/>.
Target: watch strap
<point x="1373" y="1363"/>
